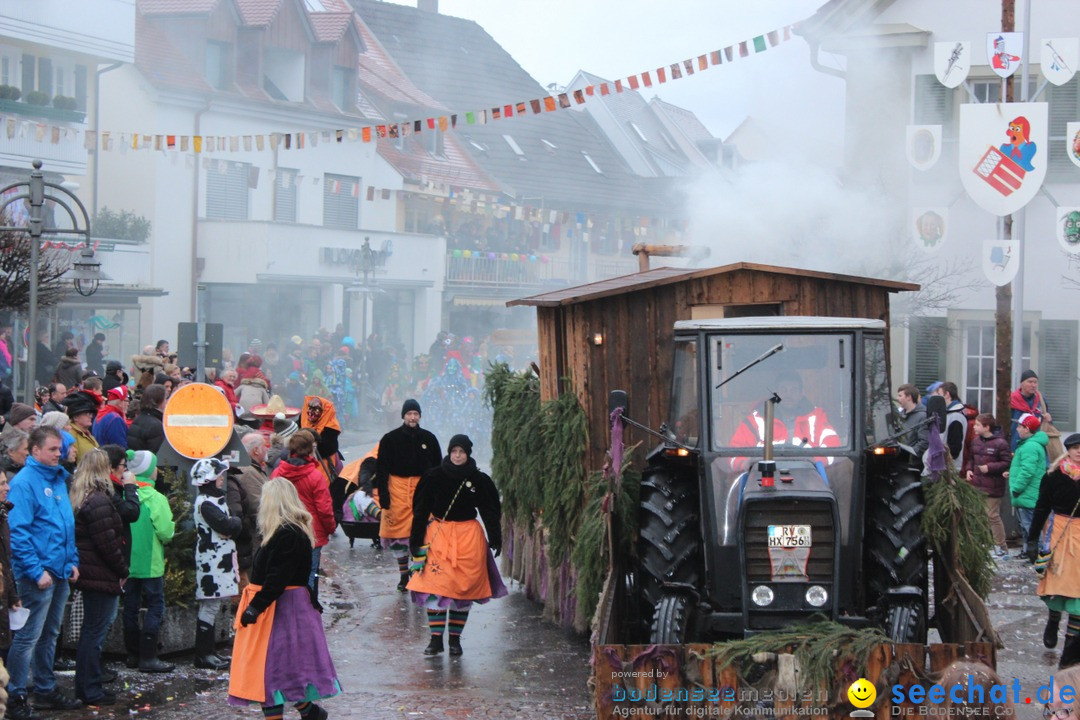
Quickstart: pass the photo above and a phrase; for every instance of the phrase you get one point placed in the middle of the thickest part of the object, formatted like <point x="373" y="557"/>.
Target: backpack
<point x="967" y="458"/>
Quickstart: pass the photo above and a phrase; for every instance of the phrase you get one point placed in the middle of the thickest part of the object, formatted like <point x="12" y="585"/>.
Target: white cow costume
<point x="217" y="575"/>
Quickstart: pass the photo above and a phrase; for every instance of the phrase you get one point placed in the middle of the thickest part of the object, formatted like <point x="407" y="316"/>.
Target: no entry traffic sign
<point x="198" y="421"/>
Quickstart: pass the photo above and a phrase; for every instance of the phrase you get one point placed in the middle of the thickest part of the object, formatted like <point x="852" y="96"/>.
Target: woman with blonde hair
<point x="280" y="652"/>
<point x="102" y="570"/>
<point x="1057" y="708"/>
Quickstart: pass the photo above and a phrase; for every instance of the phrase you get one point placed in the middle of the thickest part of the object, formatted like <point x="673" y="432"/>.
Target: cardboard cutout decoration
<point x="952" y="61"/>
<point x="1002" y="153"/>
<point x="929" y="227"/>
<point x="923" y="145"/>
<point x="1060" y="57"/>
<point x="1000" y="260"/>
<point x="1068" y="229"/>
<point x="1072" y="142"/>
<point x="1003" y="50"/>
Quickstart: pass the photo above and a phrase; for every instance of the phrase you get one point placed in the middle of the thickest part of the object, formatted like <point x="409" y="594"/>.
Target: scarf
<point x="1070" y="469"/>
<point x="458" y="472"/>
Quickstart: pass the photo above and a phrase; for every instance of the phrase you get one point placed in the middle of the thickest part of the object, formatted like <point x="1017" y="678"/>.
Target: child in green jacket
<point x="146" y="582"/>
<point x="1026" y="471"/>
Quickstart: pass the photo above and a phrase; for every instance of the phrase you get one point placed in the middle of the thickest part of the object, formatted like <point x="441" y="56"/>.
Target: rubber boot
<point x="131" y="645"/>
<point x="148" y="659"/>
<point x="1050" y="634"/>
<point x="204" y="649"/>
<point x="1070" y="653"/>
<point x="401" y="586"/>
<point x="455" y="645"/>
<point x="435" y="647"/>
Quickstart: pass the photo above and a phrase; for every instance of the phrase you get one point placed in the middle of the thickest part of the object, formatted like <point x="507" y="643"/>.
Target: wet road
<point x="515" y="664"/>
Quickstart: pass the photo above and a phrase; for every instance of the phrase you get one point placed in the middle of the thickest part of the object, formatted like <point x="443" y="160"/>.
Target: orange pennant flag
<point x="365" y="134"/>
<point x="197" y="142"/>
<point x="549" y="103"/>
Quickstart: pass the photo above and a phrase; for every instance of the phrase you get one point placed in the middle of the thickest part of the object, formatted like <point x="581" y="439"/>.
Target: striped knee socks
<point x="1074" y="625"/>
<point x="436" y="621"/>
<point x="273" y="712"/>
<point x="456" y="622"/>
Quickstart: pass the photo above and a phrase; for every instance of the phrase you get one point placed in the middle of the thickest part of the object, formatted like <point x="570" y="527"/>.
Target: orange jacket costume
<point x="811" y="430"/>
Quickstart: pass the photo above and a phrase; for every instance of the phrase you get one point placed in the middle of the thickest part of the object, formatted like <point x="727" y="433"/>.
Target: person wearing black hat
<point x="114" y="376"/>
<point x="81" y="409"/>
<point x="1057" y="508"/>
<point x="405" y="454"/>
<point x="453" y="563"/>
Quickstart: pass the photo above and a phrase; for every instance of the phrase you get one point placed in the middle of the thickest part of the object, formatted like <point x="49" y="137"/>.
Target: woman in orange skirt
<point x="280" y="654"/>
<point x="453" y="562"/>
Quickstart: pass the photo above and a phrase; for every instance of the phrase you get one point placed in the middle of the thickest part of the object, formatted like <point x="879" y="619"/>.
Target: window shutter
<point x="45" y="76"/>
<point x="285" y="196"/>
<point x="926" y="351"/>
<point x="1057" y="369"/>
<point x="227" y="192"/>
<point x="29" y="70"/>
<point x="80" y="87"/>
<point x="341" y="201"/>
<point x="934" y="104"/>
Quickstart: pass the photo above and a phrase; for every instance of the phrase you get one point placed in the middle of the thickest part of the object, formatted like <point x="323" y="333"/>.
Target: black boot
<point x="434" y="647"/>
<point x="401" y="586"/>
<point x="1050" y="634"/>
<point x="455" y="645"/>
<point x="131" y="645"/>
<point x="1070" y="654"/>
<point x="148" y="659"/>
<point x="204" y="649"/>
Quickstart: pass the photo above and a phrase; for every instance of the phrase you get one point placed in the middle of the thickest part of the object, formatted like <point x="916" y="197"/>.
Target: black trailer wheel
<point x="673" y="621"/>
<point x="906" y="622"/>
<point x="669" y="542"/>
<point x="895" y="548"/>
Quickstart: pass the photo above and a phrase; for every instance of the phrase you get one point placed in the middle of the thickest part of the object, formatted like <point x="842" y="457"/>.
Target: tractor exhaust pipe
<point x="767" y="466"/>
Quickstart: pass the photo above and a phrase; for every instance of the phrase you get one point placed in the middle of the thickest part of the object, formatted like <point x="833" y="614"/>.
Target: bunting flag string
<point x="107" y="141"/>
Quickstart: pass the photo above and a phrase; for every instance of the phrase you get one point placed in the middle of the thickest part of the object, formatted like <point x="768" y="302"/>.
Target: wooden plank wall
<point x="638" y="329"/>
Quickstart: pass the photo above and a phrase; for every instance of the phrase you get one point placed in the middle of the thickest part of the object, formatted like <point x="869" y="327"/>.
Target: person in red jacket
<point x="302" y="471"/>
<point x="989" y="460"/>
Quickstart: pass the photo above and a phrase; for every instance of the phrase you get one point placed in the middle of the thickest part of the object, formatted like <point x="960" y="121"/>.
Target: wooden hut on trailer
<point x="617" y="333"/>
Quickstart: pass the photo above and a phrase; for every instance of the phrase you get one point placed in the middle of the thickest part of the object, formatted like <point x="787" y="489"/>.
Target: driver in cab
<point x="796" y="422"/>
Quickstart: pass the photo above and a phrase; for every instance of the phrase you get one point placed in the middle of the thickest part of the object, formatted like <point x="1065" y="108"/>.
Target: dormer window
<point x="218" y="65"/>
<point x="283" y="74"/>
<point x="342" y="88"/>
<point x="638" y="132"/>
<point x="514" y="146"/>
<point x="592" y="163"/>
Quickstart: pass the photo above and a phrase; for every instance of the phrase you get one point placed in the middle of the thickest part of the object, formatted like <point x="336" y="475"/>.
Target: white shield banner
<point x="1001" y="258"/>
<point x="929" y="227"/>
<point x="1003" y="51"/>
<point x="923" y="145"/>
<point x="952" y="60"/>
<point x="1072" y="142"/>
<point x="1068" y="229"/>
<point x="1060" y="57"/>
<point x="1002" y="153"/>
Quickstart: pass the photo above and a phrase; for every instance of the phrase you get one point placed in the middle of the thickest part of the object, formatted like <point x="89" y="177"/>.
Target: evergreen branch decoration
<point x="817" y="648"/>
<point x="563" y="428"/>
<point x="953" y="509"/>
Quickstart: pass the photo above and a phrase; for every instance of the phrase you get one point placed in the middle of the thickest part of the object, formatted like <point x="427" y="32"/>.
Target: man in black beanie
<point x="405" y="454"/>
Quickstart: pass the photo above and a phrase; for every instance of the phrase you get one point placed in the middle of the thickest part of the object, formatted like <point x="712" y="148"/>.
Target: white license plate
<point x="789" y="536"/>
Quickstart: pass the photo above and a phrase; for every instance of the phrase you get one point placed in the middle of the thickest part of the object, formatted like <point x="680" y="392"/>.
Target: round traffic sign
<point x="198" y="421"/>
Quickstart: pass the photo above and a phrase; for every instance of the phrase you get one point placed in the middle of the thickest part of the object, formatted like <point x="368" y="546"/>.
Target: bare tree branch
<point x="53" y="287"/>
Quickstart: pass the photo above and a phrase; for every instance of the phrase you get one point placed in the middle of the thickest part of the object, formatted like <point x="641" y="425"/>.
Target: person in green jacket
<point x="146" y="582"/>
<point x="1026" y="472"/>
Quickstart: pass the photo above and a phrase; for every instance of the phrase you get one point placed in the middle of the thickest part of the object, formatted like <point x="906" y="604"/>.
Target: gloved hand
<point x="249" y="616"/>
<point x="496" y="550"/>
<point x="419" y="557"/>
<point x="1032" y="553"/>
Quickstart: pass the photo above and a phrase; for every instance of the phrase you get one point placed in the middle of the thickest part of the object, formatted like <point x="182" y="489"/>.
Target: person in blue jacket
<point x="111" y="427"/>
<point x="44" y="559"/>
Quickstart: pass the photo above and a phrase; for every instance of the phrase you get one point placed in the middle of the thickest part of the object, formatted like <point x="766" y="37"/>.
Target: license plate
<point x="789" y="536"/>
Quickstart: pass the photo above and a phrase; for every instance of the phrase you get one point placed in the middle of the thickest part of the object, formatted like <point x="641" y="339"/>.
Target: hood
<point x="147" y="362"/>
<point x="295" y="468"/>
<point x="1039" y="438"/>
<point x="328" y="419"/>
<point x="255" y="381"/>
<point x="66" y="362"/>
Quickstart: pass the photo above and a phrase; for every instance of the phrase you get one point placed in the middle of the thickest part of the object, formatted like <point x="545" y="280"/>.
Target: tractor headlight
<point x="817" y="596"/>
<point x="762" y="595"/>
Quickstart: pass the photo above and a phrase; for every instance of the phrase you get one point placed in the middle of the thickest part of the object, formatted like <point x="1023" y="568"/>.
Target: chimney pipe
<point x="431" y="6"/>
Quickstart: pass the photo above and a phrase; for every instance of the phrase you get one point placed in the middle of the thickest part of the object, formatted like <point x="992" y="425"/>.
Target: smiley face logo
<point x="862" y="693"/>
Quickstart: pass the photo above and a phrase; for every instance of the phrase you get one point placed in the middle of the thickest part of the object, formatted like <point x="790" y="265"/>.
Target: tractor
<point x="780" y="491"/>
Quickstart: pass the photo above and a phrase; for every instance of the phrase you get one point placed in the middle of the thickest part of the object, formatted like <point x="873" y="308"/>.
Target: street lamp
<point x="36" y="191"/>
<point x="364" y="262"/>
<point x="86" y="272"/>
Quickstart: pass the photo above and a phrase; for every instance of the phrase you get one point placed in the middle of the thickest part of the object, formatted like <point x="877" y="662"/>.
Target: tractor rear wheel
<point x="669" y="541"/>
<point x="894" y="546"/>
<point x="673" y="621"/>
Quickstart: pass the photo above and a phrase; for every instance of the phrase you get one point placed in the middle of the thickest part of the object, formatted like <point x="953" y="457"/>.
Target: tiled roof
<point x="685" y="119"/>
<point x="382" y="76"/>
<point x="329" y="27"/>
<point x="461" y="65"/>
<point x="414" y="162"/>
<point x="160" y="61"/>
<point x="258" y="13"/>
<point x="177" y="7"/>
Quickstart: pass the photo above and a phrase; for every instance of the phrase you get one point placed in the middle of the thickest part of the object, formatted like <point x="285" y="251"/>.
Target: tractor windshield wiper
<point x="764" y="356"/>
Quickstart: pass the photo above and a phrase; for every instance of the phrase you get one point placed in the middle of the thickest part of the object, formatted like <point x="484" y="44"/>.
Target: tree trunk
<point x="1003" y="319"/>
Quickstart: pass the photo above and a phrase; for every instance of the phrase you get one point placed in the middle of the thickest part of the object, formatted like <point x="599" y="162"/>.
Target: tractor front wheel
<point x="673" y="621"/>
<point x="906" y="622"/>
